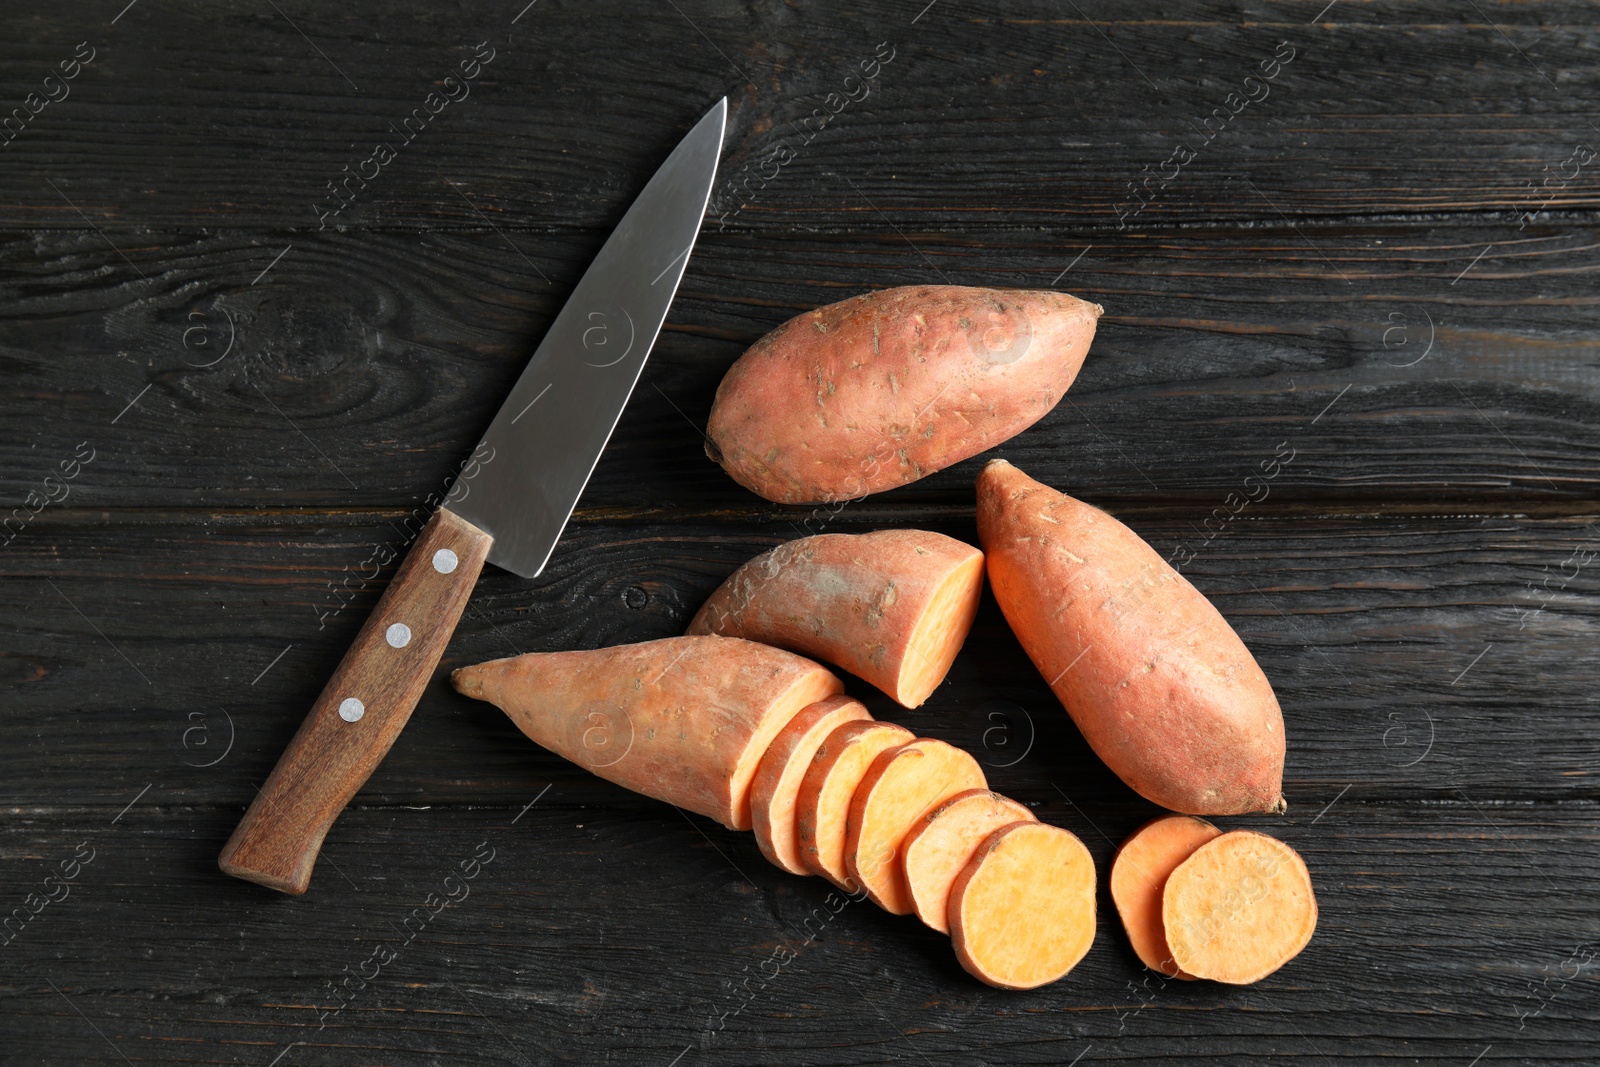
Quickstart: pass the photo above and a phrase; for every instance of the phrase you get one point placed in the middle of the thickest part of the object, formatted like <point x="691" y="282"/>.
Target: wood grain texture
<point x="990" y="115"/>
<point x="362" y="709"/>
<point x="364" y="369"/>
<point x="591" y="929"/>
<point x="1370" y="629"/>
<point x="218" y="418"/>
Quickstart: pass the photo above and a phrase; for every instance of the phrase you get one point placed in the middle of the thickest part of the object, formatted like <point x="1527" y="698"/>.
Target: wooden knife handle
<point x="362" y="710"/>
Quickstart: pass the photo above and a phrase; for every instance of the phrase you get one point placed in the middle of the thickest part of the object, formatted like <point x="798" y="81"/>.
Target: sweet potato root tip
<point x="891" y="606"/>
<point x="1022" y="909"/>
<point x="900" y="787"/>
<point x="942" y="842"/>
<point x="1139" y="875"/>
<point x="1239" y="908"/>
<point x="823" y="804"/>
<point x="468" y="681"/>
<point x="776" y="786"/>
<point x="685" y="719"/>
<point x="1159" y="684"/>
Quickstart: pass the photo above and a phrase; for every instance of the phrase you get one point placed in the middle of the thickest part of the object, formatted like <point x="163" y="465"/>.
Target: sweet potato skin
<point x="853" y="600"/>
<point x="890" y="386"/>
<point x="684" y="719"/>
<point x="1159" y="684"/>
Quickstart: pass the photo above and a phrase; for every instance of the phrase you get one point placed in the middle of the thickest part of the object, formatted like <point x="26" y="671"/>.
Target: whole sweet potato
<point x="1155" y="678"/>
<point x="888" y="387"/>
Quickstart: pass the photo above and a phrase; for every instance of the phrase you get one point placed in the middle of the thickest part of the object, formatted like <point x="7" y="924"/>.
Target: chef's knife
<point x="508" y="506"/>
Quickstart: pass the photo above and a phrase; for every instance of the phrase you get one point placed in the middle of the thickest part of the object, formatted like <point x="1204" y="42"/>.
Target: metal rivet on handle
<point x="398" y="635"/>
<point x="444" y="561"/>
<point x="351" y="709"/>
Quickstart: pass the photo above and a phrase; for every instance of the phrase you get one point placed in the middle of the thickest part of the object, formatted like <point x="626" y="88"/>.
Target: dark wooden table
<point x="221" y="400"/>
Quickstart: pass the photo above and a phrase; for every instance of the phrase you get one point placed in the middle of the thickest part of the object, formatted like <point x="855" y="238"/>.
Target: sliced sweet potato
<point x="1139" y="875"/>
<point x="900" y="787"/>
<point x="823" y="805"/>
<point x="685" y="719"/>
<point x="942" y="842"/>
<point x="1239" y="908"/>
<point x="1022" y="909"/>
<point x="777" y="782"/>
<point x="891" y="606"/>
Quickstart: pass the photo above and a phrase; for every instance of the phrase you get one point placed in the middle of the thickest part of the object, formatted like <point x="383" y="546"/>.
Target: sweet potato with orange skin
<point x="944" y="840"/>
<point x="1155" y="678"/>
<point x="900" y="787"/>
<point x="1139" y="875"/>
<point x="776" y="786"/>
<point x="823" y="806"/>
<point x="1239" y="908"/>
<point x="890" y="386"/>
<point x="892" y="606"/>
<point x="685" y="719"/>
<point x="1022" y="909"/>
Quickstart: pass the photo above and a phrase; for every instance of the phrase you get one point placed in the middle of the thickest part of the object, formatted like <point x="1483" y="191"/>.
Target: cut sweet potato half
<point x="1022" y="909"/>
<point x="1239" y="908"/>
<point x="892" y="606"/>
<point x="823" y="804"/>
<point x="900" y="787"/>
<point x="683" y="719"/>
<point x="776" y="786"/>
<point x="1138" y="876"/>
<point x="942" y="842"/>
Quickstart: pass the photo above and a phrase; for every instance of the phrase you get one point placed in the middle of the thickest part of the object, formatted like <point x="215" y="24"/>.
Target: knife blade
<point x="508" y="506"/>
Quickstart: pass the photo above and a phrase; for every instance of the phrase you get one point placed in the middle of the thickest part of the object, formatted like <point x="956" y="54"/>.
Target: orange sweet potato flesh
<point x="900" y="787"/>
<point x="776" y="786"/>
<point x="823" y="805"/>
<point x="892" y="607"/>
<point x="685" y="719"/>
<point x="1155" y="678"/>
<point x="1139" y="875"/>
<point x="943" y="840"/>
<point x="888" y="387"/>
<point x="1022" y="909"/>
<point x="1239" y="908"/>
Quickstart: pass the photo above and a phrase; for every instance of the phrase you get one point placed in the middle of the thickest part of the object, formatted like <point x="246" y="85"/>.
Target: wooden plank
<point x="1412" y="656"/>
<point x="571" y="943"/>
<point x="987" y="115"/>
<point x="364" y="367"/>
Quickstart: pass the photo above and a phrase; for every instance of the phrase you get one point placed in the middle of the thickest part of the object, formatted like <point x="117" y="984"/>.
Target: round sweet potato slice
<point x="1239" y="908"/>
<point x="776" y="786"/>
<point x="942" y="842"/>
<point x="1022" y="909"/>
<point x="899" y="788"/>
<point x="823" y="804"/>
<point x="1138" y="876"/>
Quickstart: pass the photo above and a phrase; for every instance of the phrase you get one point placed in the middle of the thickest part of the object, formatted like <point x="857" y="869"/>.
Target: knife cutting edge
<point x="508" y="507"/>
